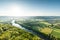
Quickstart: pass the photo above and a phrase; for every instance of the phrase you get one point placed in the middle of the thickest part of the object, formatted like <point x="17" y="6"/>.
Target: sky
<point x="29" y="8"/>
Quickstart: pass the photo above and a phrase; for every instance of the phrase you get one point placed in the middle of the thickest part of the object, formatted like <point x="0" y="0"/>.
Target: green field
<point x="41" y="29"/>
<point x="56" y="33"/>
<point x="44" y="27"/>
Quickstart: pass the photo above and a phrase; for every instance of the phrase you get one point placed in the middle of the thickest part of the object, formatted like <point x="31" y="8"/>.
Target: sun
<point x="19" y="10"/>
<point x="12" y="10"/>
<point x="15" y="8"/>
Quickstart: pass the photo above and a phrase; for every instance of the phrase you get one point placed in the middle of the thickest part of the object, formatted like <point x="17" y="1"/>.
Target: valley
<point x="43" y="28"/>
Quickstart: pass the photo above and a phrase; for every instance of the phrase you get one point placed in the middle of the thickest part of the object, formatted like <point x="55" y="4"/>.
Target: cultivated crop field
<point x="30" y="29"/>
<point x="56" y="33"/>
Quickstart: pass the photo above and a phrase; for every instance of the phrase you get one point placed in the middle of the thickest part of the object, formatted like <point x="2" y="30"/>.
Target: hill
<point x="9" y="32"/>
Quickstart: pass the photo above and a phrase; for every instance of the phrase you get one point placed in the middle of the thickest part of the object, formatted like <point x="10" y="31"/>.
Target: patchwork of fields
<point x="44" y="28"/>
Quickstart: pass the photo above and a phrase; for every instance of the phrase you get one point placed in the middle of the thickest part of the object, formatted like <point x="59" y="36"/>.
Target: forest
<point x="9" y="32"/>
<point x="35" y="28"/>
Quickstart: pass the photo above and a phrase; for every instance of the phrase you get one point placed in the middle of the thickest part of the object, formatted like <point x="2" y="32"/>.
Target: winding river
<point x="19" y="26"/>
<point x="32" y="31"/>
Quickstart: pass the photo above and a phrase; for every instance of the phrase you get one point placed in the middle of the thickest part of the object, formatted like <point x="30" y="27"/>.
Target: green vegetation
<point x="9" y="32"/>
<point x="51" y="30"/>
<point x="56" y="33"/>
<point x="46" y="30"/>
<point x="43" y="28"/>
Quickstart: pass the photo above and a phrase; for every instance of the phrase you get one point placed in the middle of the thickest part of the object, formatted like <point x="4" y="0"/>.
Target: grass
<point x="45" y="23"/>
<point x="56" y="33"/>
<point x="46" y="30"/>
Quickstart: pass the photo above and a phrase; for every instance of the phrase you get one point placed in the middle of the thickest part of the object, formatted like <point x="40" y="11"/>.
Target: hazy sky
<point x="30" y="8"/>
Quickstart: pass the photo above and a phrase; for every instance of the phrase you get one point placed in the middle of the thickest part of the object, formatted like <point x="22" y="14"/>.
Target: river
<point x="19" y="26"/>
<point x="32" y="31"/>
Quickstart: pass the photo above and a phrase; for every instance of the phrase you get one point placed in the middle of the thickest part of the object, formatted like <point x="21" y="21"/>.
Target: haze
<point x="30" y="8"/>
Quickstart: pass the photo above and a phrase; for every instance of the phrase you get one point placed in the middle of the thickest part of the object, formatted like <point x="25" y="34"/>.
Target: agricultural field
<point x="56" y="33"/>
<point x="43" y="27"/>
<point x="46" y="30"/>
<point x="30" y="29"/>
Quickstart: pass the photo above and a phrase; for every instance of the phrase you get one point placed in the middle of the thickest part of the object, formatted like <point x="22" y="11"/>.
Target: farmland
<point x="41" y="28"/>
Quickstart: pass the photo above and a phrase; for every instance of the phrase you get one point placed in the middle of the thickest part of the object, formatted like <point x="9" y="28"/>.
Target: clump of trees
<point x="9" y="32"/>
